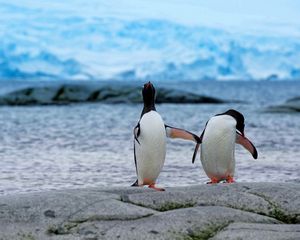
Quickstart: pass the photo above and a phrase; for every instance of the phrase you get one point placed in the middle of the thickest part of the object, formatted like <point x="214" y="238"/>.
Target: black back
<point x="148" y="98"/>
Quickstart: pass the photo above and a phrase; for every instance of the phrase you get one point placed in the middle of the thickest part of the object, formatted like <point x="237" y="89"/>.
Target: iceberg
<point x="57" y="41"/>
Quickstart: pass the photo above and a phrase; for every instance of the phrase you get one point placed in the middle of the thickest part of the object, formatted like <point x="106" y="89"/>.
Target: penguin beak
<point x="241" y="130"/>
<point x="242" y="133"/>
<point x="148" y="85"/>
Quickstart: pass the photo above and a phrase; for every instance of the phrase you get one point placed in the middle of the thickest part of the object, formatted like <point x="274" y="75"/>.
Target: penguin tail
<point x="135" y="184"/>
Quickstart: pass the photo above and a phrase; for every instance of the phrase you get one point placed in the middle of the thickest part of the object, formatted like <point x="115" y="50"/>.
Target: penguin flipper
<point x="136" y="132"/>
<point x="181" y="133"/>
<point x="198" y="145"/>
<point x="195" y="152"/>
<point x="246" y="143"/>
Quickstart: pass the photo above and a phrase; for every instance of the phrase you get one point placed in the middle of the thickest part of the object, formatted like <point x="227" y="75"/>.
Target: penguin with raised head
<point x="150" y="141"/>
<point x="218" y="145"/>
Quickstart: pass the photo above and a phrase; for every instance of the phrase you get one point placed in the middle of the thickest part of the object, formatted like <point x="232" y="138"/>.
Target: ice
<point x="136" y="40"/>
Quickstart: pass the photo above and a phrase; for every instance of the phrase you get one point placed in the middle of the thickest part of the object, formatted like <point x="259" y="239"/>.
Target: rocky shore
<point x="223" y="211"/>
<point x="290" y="106"/>
<point x="110" y="93"/>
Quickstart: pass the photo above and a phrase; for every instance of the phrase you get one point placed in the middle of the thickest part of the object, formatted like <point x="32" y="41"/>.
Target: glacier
<point x="89" y="42"/>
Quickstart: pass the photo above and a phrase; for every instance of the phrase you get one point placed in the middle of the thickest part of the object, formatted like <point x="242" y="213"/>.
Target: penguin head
<point x="148" y="94"/>
<point x="240" y="120"/>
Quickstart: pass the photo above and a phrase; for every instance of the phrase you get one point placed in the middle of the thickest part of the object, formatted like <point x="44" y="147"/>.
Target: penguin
<point x="218" y="140"/>
<point x="150" y="141"/>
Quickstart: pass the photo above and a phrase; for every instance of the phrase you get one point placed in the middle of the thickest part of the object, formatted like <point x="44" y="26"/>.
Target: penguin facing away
<point x="150" y="141"/>
<point x="218" y="145"/>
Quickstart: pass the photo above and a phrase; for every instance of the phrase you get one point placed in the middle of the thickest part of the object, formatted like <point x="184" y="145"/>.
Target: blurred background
<point x="71" y="73"/>
<point x="129" y="40"/>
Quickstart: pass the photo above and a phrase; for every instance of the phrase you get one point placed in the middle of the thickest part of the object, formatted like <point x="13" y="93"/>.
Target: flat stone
<point x="33" y="214"/>
<point x="284" y="198"/>
<point x="192" y="212"/>
<point x="204" y="195"/>
<point x="128" y="190"/>
<point x="47" y="206"/>
<point x="250" y="231"/>
<point x="181" y="223"/>
<point x="276" y="200"/>
<point x="111" y="210"/>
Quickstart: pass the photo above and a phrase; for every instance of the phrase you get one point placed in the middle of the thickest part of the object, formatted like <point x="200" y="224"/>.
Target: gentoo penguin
<point x="150" y="141"/>
<point x="218" y="145"/>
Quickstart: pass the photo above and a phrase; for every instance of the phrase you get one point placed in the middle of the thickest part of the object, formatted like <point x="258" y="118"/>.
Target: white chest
<point x="218" y="145"/>
<point x="151" y="152"/>
<point x="152" y="129"/>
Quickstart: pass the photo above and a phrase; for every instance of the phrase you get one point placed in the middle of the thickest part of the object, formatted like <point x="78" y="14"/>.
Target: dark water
<point x="81" y="145"/>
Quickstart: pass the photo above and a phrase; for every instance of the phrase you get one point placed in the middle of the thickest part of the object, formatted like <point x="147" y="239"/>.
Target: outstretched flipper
<point x="136" y="132"/>
<point x="181" y="133"/>
<point x="246" y="143"/>
<point x="197" y="146"/>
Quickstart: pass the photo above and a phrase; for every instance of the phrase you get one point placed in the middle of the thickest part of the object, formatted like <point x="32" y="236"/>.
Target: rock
<point x="291" y="105"/>
<point x="284" y="199"/>
<point x="30" y="214"/>
<point x="29" y="96"/>
<point x="183" y="223"/>
<point x="38" y="207"/>
<point x="250" y="231"/>
<point x="223" y="211"/>
<point x="272" y="199"/>
<point x="49" y="213"/>
<point x="210" y="195"/>
<point x="178" y="96"/>
<point x="111" y="210"/>
<point x="76" y="93"/>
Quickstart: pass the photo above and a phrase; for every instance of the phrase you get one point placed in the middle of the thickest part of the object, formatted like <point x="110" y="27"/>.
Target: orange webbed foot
<point x="230" y="179"/>
<point x="213" y="181"/>
<point x="156" y="188"/>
